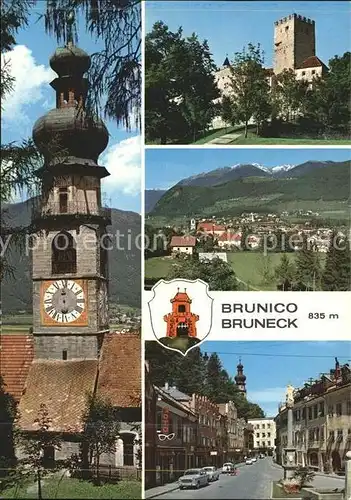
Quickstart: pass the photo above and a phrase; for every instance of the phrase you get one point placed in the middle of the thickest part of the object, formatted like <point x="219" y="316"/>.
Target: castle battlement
<point x="294" y="16"/>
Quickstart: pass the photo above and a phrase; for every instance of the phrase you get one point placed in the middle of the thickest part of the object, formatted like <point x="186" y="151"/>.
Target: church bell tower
<point x="240" y="378"/>
<point x="69" y="251"/>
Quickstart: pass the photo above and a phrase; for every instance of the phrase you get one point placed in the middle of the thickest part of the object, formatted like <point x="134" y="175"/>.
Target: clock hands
<point x="64" y="309"/>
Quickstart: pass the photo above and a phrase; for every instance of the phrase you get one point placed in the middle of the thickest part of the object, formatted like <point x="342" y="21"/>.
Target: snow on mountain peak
<point x="285" y="168"/>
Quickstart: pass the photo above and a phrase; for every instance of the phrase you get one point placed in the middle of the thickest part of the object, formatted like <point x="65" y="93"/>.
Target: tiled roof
<point x="183" y="241"/>
<point x="229" y="237"/>
<point x="210" y="226"/>
<point x="312" y="62"/>
<point x="62" y="386"/>
<point x="16" y="355"/>
<point x="120" y="370"/>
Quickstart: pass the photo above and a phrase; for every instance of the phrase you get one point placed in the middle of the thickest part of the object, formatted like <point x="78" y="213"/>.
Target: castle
<point x="294" y="48"/>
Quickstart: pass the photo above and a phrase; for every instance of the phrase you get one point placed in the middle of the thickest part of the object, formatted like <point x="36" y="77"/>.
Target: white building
<point x="183" y="244"/>
<point x="264" y="434"/>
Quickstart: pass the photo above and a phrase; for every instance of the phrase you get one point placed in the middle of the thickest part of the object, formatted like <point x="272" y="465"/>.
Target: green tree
<point x="101" y="429"/>
<point x="337" y="275"/>
<point x="115" y="73"/>
<point x="289" y="94"/>
<point x="308" y="267"/>
<point x="265" y="269"/>
<point x="179" y="85"/>
<point x="218" y="274"/>
<point x="34" y="447"/>
<point x="248" y="89"/>
<point x="328" y="104"/>
<point x="244" y="242"/>
<point x="284" y="273"/>
<point x="8" y="413"/>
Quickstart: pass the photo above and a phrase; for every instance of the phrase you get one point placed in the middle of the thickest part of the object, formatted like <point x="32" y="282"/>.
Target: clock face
<point x="64" y="301"/>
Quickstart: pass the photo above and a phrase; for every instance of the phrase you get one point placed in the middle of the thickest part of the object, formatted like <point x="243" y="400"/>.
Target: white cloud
<point x="123" y="161"/>
<point x="30" y="78"/>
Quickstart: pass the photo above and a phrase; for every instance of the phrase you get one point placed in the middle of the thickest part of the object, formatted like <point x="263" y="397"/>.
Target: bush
<point x="304" y="475"/>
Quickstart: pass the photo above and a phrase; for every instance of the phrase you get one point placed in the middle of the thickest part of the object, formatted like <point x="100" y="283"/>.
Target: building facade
<point x="264" y="435"/>
<point x="321" y="422"/>
<point x="294" y="42"/>
<point x="176" y="428"/>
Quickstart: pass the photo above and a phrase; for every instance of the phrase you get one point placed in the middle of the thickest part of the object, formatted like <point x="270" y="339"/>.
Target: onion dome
<point x="240" y="378"/>
<point x="72" y="132"/>
<point x="68" y="128"/>
<point x="70" y="60"/>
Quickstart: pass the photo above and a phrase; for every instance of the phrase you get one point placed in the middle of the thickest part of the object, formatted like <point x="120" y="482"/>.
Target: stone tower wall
<point x="294" y="42"/>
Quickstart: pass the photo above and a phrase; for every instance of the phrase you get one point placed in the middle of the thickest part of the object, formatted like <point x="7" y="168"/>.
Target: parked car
<point x="248" y="461"/>
<point x="254" y="459"/>
<point x="262" y="455"/>
<point x="227" y="467"/>
<point x="212" y="472"/>
<point x="193" y="478"/>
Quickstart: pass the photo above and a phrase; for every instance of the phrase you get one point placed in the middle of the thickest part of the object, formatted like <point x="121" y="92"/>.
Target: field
<point x="253" y="269"/>
<point x="253" y="139"/>
<point x="55" y="487"/>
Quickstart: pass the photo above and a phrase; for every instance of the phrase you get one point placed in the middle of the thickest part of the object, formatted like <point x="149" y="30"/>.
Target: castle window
<point x="63" y="254"/>
<point x="63" y="200"/>
<point x="64" y="355"/>
<point x="181" y="308"/>
<point x="313" y="72"/>
<point x="286" y="28"/>
<point x="303" y="73"/>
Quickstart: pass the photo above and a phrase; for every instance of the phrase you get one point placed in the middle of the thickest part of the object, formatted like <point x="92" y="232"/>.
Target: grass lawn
<point x="74" y="488"/>
<point x="278" y="492"/>
<point x="248" y="267"/>
<point x="253" y="139"/>
<point x="157" y="267"/>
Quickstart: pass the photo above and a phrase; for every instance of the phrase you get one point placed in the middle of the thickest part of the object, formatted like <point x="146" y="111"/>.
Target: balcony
<point x="72" y="209"/>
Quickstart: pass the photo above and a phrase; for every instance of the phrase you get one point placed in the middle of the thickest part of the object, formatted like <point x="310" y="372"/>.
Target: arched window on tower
<point x="181" y="308"/>
<point x="63" y="254"/>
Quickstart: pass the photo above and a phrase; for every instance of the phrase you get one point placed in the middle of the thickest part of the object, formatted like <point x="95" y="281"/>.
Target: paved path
<point x="252" y="482"/>
<point x="224" y="139"/>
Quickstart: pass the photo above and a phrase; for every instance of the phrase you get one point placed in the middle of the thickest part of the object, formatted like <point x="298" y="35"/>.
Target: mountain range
<point x="312" y="180"/>
<point x="124" y="264"/>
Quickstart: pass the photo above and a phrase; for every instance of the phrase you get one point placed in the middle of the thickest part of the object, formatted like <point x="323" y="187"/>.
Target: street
<point x="253" y="481"/>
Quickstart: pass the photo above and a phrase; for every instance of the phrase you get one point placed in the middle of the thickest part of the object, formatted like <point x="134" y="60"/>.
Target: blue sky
<point x="166" y="167"/>
<point x="229" y="26"/>
<point x="33" y="96"/>
<point x="271" y="366"/>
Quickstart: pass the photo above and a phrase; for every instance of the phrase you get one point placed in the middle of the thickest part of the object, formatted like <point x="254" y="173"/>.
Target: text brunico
<point x="283" y="315"/>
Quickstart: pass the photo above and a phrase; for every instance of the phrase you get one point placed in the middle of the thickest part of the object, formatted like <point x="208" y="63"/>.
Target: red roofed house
<point x="183" y="244"/>
<point x="211" y="228"/>
<point x="227" y="240"/>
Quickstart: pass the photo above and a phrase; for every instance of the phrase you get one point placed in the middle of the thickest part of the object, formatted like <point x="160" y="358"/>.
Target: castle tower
<point x="181" y="322"/>
<point x="240" y="378"/>
<point x="70" y="300"/>
<point x="294" y="42"/>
